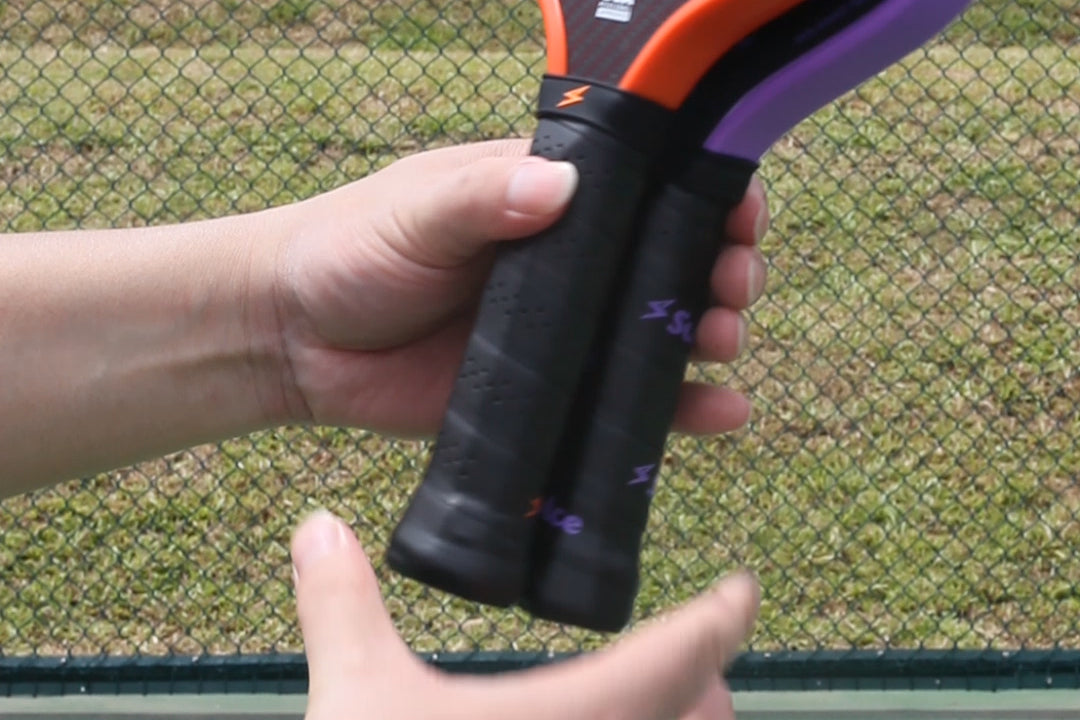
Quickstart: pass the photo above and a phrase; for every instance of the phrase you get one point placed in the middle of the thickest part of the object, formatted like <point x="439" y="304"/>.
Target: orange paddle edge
<point x="690" y="41"/>
<point x="558" y="57"/>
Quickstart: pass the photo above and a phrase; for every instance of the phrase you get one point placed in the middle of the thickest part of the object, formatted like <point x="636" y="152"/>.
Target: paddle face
<point x="603" y="37"/>
<point x="654" y="50"/>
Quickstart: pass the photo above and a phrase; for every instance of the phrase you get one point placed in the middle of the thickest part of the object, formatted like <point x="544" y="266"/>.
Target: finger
<point x="715" y="703"/>
<point x="450" y="220"/>
<point x="656" y="673"/>
<point x="721" y="336"/>
<point x="738" y="277"/>
<point x="705" y="409"/>
<point x="749" y="221"/>
<point x="347" y="632"/>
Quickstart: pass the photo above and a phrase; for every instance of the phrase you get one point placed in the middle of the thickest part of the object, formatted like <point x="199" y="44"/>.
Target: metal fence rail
<point x="907" y="490"/>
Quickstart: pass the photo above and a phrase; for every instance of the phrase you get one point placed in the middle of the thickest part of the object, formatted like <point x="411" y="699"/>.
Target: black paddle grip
<point x="586" y="553"/>
<point x="469" y="527"/>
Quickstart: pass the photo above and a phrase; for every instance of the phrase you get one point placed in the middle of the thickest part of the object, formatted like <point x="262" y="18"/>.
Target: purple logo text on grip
<point x="555" y="516"/>
<point x="682" y="322"/>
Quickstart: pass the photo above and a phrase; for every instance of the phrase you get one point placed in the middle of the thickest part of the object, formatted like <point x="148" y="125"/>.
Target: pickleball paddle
<point x="617" y="72"/>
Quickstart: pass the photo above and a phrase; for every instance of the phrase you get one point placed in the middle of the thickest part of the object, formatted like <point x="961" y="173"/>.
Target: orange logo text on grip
<point x="574" y="97"/>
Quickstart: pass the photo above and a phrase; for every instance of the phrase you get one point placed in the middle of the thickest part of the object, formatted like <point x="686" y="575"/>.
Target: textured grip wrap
<point x="586" y="554"/>
<point x="469" y="527"/>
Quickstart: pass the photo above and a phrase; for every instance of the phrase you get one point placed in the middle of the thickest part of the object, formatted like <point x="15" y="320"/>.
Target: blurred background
<point x="907" y="490"/>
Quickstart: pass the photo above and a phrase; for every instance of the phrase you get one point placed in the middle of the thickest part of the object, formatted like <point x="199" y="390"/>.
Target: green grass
<point x="431" y="25"/>
<point x="908" y="479"/>
<point x="409" y="24"/>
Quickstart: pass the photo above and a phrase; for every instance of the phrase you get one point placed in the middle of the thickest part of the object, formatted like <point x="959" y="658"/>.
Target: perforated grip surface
<point x="602" y="483"/>
<point x="469" y="527"/>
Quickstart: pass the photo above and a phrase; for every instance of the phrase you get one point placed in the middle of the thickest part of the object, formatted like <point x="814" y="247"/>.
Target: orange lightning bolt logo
<point x="573" y="97"/>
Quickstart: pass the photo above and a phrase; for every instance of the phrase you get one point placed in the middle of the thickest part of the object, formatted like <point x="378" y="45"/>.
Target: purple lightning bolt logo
<point x="644" y="474"/>
<point x="658" y="310"/>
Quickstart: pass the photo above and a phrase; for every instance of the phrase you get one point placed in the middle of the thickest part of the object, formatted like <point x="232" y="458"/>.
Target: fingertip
<point x="320" y="534"/>
<point x="539" y="187"/>
<point x="705" y="409"/>
<point x="755" y="279"/>
<point x="733" y="605"/>
<point x="742" y="592"/>
<point x="722" y="336"/>
<point x="738" y="277"/>
<point x="749" y="222"/>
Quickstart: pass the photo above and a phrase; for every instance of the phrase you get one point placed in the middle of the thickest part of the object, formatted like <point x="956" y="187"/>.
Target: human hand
<point x="377" y="284"/>
<point x="360" y="667"/>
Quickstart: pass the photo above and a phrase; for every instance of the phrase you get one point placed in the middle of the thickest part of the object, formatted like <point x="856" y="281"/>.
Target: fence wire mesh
<point x="909" y="478"/>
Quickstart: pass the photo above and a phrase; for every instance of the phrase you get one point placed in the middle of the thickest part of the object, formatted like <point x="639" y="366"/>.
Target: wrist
<point x="268" y="318"/>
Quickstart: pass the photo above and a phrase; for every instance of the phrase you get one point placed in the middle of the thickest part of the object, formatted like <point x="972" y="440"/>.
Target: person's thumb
<point x="493" y="198"/>
<point x="347" y="632"/>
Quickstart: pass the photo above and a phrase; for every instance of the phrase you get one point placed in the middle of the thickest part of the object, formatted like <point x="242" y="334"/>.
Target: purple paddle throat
<point x="876" y="41"/>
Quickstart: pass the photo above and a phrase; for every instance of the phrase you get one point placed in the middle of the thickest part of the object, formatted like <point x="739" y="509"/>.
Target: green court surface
<point x="868" y="705"/>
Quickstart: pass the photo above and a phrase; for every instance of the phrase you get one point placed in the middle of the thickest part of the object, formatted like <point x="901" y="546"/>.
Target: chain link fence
<point x="908" y="482"/>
